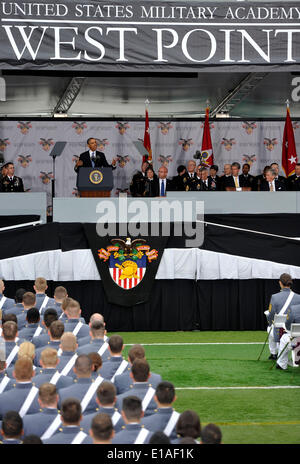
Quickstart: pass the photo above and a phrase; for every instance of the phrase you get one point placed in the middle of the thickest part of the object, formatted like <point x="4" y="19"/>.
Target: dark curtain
<point x="176" y="304"/>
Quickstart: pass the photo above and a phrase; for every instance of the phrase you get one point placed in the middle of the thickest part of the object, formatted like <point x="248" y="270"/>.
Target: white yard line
<point x="277" y="387"/>
<point x="203" y="343"/>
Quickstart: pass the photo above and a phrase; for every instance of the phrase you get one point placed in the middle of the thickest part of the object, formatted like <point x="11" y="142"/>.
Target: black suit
<point x="152" y="187"/>
<point x="100" y="161"/>
<point x="200" y="185"/>
<point x="229" y="181"/>
<point x="279" y="185"/>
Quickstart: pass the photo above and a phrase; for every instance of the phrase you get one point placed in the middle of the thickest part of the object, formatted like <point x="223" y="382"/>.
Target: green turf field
<point x="202" y="374"/>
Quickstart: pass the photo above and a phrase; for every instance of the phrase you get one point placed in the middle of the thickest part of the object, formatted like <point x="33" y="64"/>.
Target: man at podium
<point x="93" y="158"/>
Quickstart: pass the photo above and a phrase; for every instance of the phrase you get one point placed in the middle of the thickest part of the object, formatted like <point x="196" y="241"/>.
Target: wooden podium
<point x="94" y="182"/>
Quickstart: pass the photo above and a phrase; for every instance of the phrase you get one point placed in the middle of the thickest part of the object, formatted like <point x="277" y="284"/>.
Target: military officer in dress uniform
<point x="115" y="364"/>
<point x="293" y="182"/>
<point x="138" y="180"/>
<point x="133" y="432"/>
<point x="12" y="428"/>
<point x="22" y="397"/>
<point x="70" y="432"/>
<point x="11" y="183"/>
<point x="190" y="176"/>
<point x="164" y="418"/>
<point x="37" y="424"/>
<point x="122" y="382"/>
<point x="97" y="343"/>
<point x="141" y="388"/>
<point x="286" y="344"/>
<point x="280" y="303"/>
<point x="106" y="399"/>
<point x="59" y="294"/>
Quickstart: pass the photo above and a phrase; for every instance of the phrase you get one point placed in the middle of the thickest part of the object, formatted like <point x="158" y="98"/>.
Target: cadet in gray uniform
<point x="37" y="424"/>
<point x="276" y="306"/>
<point x="68" y="356"/>
<point x="9" y="334"/>
<point x="164" y="418"/>
<point x="28" y="302"/>
<point x="5" y="302"/>
<point x="106" y="399"/>
<point x="42" y="300"/>
<point x="60" y="293"/>
<point x="94" y="317"/>
<point x="18" y="307"/>
<point x="101" y="429"/>
<point x="97" y="343"/>
<point x="74" y="324"/>
<point x="188" y="425"/>
<point x="5" y="382"/>
<point x="32" y="327"/>
<point x="70" y="432"/>
<point x="115" y="364"/>
<point x="12" y="428"/>
<point x="50" y="316"/>
<point x="122" y="382"/>
<point x="84" y="387"/>
<point x="141" y="388"/>
<point x="22" y="391"/>
<point x="133" y="432"/>
<point x="293" y="317"/>
<point x="56" y="331"/>
<point x="49" y="373"/>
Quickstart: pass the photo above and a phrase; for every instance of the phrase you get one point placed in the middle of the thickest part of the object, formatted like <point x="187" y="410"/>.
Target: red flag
<point x="206" y="149"/>
<point x="147" y="143"/>
<point x="289" y="154"/>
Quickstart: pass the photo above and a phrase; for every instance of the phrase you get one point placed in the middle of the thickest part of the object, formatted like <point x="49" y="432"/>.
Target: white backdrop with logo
<point x="28" y="145"/>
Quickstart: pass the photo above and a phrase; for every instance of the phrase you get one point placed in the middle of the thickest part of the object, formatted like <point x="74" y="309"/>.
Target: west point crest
<point x="127" y="260"/>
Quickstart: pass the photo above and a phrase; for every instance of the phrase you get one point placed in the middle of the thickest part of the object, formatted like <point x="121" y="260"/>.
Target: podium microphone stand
<point x="55" y="152"/>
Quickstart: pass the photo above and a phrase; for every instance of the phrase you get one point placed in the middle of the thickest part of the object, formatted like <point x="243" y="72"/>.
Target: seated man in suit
<point x="236" y="180"/>
<point x="93" y="158"/>
<point x="248" y="178"/>
<point x="278" y="177"/>
<point x="164" y="184"/>
<point x="271" y="184"/>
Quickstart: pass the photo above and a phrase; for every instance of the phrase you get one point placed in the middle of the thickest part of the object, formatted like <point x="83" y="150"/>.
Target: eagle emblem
<point x="127" y="260"/>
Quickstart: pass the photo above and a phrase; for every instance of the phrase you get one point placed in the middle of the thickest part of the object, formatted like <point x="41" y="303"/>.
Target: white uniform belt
<point x="141" y="437"/>
<point x="28" y="401"/>
<point x="171" y="423"/>
<point x="148" y="397"/>
<point x="90" y="393"/>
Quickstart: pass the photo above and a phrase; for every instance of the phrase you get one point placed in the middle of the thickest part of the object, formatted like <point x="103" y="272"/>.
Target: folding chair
<point x="278" y="323"/>
<point x="295" y="335"/>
